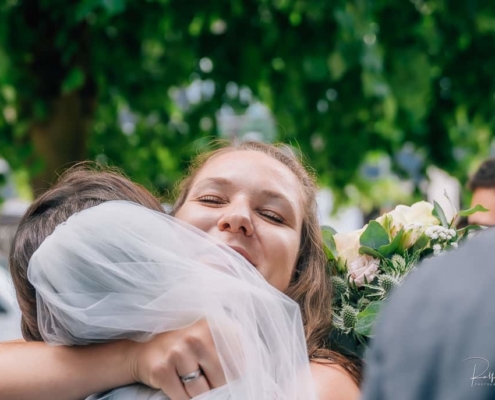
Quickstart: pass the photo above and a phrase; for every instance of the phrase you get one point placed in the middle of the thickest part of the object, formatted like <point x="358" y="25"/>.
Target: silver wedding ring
<point x="192" y="376"/>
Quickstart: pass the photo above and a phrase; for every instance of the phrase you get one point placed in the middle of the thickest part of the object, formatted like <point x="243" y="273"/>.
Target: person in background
<point x="482" y="187"/>
<point x="434" y="339"/>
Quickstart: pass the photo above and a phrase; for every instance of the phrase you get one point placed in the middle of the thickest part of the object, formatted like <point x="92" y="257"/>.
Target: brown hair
<point x="484" y="177"/>
<point x="81" y="187"/>
<point x="311" y="286"/>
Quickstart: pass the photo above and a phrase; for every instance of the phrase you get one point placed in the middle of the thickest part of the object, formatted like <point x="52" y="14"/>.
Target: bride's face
<point x="254" y="204"/>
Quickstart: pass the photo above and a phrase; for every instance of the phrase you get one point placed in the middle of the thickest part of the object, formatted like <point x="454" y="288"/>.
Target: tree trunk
<point x="61" y="140"/>
<point x="51" y="47"/>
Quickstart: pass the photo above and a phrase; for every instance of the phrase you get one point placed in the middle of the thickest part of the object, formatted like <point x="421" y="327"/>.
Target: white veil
<point x="120" y="270"/>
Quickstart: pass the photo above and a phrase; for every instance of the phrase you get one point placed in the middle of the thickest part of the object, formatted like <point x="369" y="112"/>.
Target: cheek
<point x="283" y="263"/>
<point x="195" y="216"/>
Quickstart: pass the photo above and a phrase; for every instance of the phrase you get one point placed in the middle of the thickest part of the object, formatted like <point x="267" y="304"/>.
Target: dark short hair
<point x="81" y="187"/>
<point x="484" y="177"/>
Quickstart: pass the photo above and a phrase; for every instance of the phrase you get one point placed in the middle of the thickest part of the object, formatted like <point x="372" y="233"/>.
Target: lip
<point x="243" y="253"/>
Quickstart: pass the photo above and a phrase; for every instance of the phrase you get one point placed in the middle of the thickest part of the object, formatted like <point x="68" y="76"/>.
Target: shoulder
<point x="332" y="382"/>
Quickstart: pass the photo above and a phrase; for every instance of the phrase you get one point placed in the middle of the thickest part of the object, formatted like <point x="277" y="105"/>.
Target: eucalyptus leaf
<point x="366" y="319"/>
<point x="438" y="213"/>
<point x="329" y="242"/>
<point x="472" y="210"/>
<point x="329" y="228"/>
<point x="464" y="232"/>
<point x="393" y="246"/>
<point x="370" y="252"/>
<point x="374" y="236"/>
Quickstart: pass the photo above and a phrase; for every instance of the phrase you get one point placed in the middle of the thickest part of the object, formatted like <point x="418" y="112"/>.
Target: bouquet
<point x="368" y="263"/>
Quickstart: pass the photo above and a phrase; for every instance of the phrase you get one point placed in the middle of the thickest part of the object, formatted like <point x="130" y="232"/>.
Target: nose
<point x="236" y="219"/>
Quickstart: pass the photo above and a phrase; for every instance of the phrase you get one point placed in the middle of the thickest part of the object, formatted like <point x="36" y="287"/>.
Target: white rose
<point x="418" y="213"/>
<point x="398" y="218"/>
<point x="422" y="213"/>
<point x="414" y="220"/>
<point x="348" y="245"/>
<point x="361" y="267"/>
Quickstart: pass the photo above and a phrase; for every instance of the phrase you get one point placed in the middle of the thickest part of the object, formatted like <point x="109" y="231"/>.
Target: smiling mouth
<point x="243" y="253"/>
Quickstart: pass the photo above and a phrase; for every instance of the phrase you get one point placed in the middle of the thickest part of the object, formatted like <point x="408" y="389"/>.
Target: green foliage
<point x="366" y="283"/>
<point x="366" y="319"/>
<point x="74" y="80"/>
<point x="440" y="215"/>
<point x="472" y="210"/>
<point x="341" y="78"/>
<point x="329" y="242"/>
<point x="393" y="246"/>
<point x="374" y="236"/>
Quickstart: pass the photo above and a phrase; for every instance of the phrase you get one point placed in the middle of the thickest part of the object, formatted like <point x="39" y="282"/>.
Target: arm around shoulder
<point x="332" y="382"/>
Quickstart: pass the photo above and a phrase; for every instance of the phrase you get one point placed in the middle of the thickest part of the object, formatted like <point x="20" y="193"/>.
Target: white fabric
<point x="120" y="270"/>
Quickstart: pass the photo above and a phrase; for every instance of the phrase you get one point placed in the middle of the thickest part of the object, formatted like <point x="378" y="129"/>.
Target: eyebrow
<point x="219" y="181"/>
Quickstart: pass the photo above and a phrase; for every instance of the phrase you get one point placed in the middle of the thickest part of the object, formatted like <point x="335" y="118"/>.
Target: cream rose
<point x="363" y="267"/>
<point x="414" y="220"/>
<point x="418" y="213"/>
<point x="348" y="245"/>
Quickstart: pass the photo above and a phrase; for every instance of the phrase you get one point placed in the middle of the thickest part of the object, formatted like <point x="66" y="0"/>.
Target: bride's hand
<point x="160" y="362"/>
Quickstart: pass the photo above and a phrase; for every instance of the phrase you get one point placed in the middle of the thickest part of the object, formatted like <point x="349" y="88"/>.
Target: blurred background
<point x="390" y="101"/>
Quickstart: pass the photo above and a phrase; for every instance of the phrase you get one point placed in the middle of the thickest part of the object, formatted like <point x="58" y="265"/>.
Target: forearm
<point x="36" y="370"/>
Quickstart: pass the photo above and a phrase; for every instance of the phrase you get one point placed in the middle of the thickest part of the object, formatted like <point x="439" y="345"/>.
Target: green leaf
<point x="393" y="246"/>
<point x="85" y="8"/>
<point x="40" y="109"/>
<point x="329" y="228"/>
<point x="73" y="81"/>
<point x="370" y="252"/>
<point x="329" y="242"/>
<point x="438" y="213"/>
<point x="421" y="243"/>
<point x="114" y="6"/>
<point x="341" y="265"/>
<point x="366" y="319"/>
<point x="465" y="231"/>
<point x="472" y="210"/>
<point x="374" y="236"/>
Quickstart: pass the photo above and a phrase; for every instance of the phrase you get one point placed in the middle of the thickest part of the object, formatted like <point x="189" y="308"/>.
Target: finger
<point x="203" y="350"/>
<point x="197" y="386"/>
<point x="208" y="357"/>
<point x="186" y="362"/>
<point x="211" y="366"/>
<point x="169" y="382"/>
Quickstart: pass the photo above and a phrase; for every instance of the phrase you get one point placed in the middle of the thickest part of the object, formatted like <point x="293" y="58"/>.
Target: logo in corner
<point x="482" y="375"/>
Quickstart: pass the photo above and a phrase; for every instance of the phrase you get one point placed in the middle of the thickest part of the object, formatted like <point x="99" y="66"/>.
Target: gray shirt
<point x="436" y="336"/>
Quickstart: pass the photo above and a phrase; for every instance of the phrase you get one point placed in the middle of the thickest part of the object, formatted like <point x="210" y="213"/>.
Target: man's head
<point x="482" y="186"/>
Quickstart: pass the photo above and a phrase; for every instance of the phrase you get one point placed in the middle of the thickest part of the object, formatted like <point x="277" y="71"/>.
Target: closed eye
<point x="272" y="216"/>
<point x="210" y="200"/>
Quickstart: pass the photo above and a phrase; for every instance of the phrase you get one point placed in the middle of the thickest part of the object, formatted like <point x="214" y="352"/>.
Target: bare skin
<point x="254" y="206"/>
<point x="73" y="373"/>
<point x="486" y="198"/>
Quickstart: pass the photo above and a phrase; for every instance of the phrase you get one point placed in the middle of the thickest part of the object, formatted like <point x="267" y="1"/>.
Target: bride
<point x="122" y="271"/>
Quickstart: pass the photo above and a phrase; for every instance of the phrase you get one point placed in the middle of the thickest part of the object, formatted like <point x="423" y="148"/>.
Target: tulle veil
<point x="119" y="270"/>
